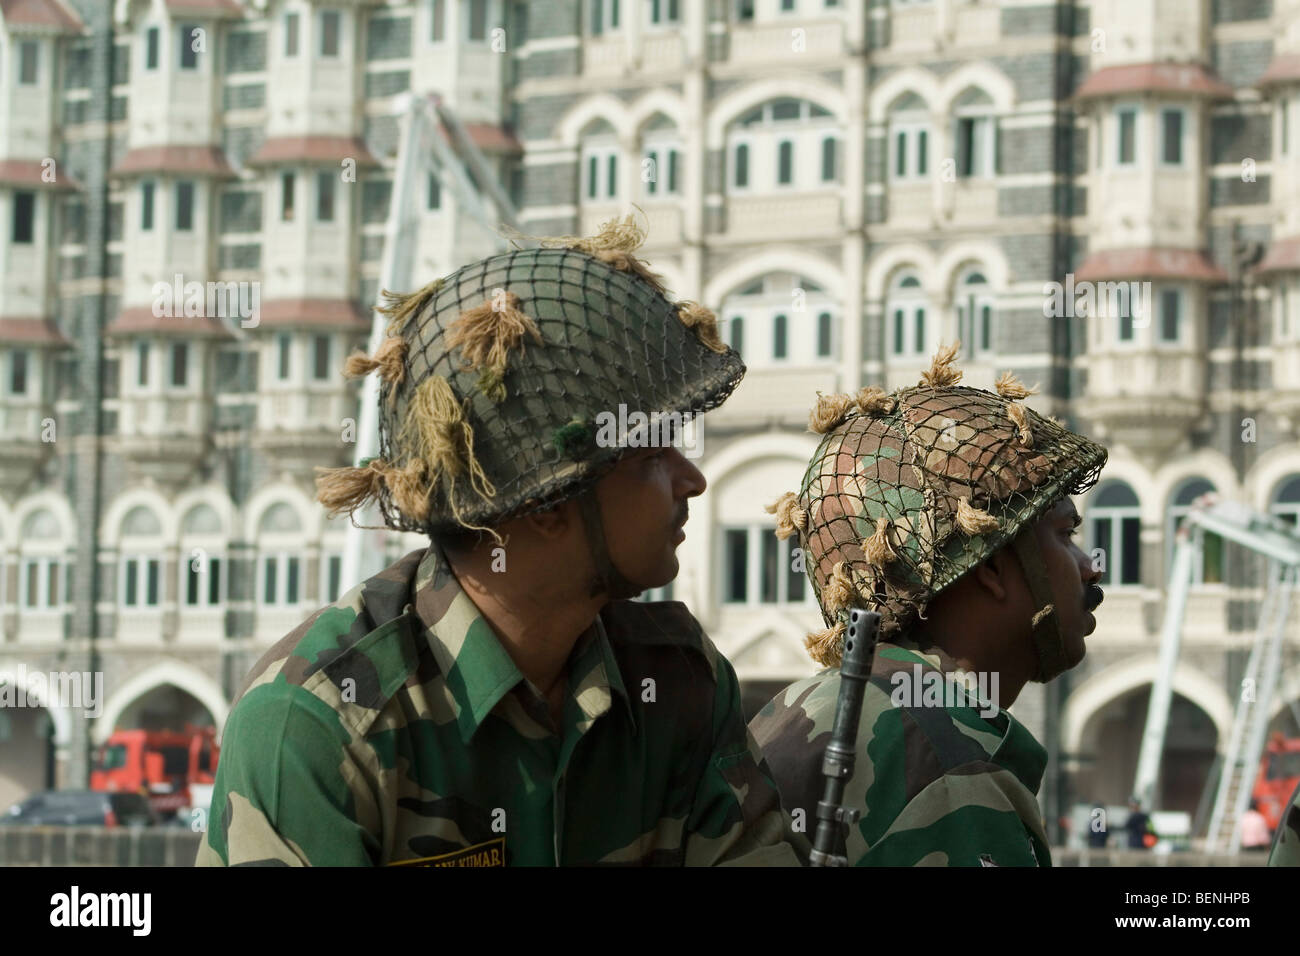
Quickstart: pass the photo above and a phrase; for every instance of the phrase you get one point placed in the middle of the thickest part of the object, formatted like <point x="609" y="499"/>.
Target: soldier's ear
<point x="553" y="523"/>
<point x="990" y="575"/>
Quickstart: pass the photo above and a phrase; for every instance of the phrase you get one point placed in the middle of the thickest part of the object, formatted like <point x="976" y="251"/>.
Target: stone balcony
<point x="789" y="216"/>
<point x="24" y="451"/>
<point x="1147" y="399"/>
<point x="777" y="42"/>
<point x="303" y="427"/>
<point x="164" y="436"/>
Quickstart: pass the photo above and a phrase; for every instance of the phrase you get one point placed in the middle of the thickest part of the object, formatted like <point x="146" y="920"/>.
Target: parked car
<point x="81" y="808"/>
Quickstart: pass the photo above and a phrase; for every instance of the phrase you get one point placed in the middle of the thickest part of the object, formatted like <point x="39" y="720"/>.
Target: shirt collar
<point x="477" y="668"/>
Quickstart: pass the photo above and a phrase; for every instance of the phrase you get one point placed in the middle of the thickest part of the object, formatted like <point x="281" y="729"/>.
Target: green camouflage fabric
<point x="935" y="785"/>
<point x="393" y="728"/>
<point x="1286" y="842"/>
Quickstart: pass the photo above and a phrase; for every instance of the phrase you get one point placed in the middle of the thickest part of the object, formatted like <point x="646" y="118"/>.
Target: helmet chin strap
<point x="608" y="578"/>
<point x="1049" y="642"/>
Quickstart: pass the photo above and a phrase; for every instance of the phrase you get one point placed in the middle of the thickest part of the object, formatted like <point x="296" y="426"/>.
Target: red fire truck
<point x="1279" y="773"/>
<point x="171" y="768"/>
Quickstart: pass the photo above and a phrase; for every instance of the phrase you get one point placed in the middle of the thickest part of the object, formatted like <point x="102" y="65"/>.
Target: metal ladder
<point x="1250" y="723"/>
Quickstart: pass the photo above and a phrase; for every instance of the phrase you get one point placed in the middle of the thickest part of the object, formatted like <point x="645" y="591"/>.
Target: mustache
<point x="1093" y="597"/>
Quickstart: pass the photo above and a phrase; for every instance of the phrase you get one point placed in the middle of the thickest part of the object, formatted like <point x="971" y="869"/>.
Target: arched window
<point x="906" y="316"/>
<point x="600" y="151"/>
<point x="1210" y="568"/>
<point x="974" y="313"/>
<point x="909" y="139"/>
<point x="1286" y="501"/>
<point x="280" y="557"/>
<point x="202" y="559"/>
<point x="789" y="319"/>
<point x="975" y="134"/>
<point x="141" y="584"/>
<point x="771" y="138"/>
<point x="661" y="160"/>
<point x="43" y="576"/>
<point x="1115" y="528"/>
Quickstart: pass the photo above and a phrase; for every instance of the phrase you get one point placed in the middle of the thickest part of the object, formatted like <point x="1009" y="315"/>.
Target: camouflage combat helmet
<point x="910" y="490"/>
<point x="493" y="379"/>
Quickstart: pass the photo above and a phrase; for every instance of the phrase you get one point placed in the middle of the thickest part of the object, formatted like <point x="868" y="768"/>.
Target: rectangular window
<point x="180" y="361"/>
<point x="828" y="159"/>
<point x="184" y="206"/>
<point x="919" y="344"/>
<point x="973" y="146"/>
<point x="737" y="566"/>
<point x="333" y="577"/>
<point x="325" y="196"/>
<point x="795" y="579"/>
<point x="769" y="567"/>
<point x="131" y="586"/>
<point x="779" y="337"/>
<point x="745" y="10"/>
<point x="269" y="570"/>
<point x="189" y="37"/>
<point x="1169" y="317"/>
<point x="329" y="32"/>
<point x="478" y="20"/>
<point x="1284" y="134"/>
<point x="18" y="372"/>
<point x="737" y="329"/>
<point x="1130" y="545"/>
<point x="824" y="335"/>
<point x="922" y="141"/>
<point x="785" y="163"/>
<point x="742" y="165"/>
<point x="146" y="205"/>
<point x="290" y="34"/>
<point x="142" y="363"/>
<point x="192" y="576"/>
<point x="24" y="224"/>
<point x="611" y="165"/>
<point x="1101" y="528"/>
<point x="28" y="62"/>
<point x="286" y="197"/>
<point x="438" y="15"/>
<point x="283" y="343"/>
<point x="151" y="595"/>
<point x="898" y="331"/>
<point x="653" y="182"/>
<point x="672" y="171"/>
<point x="32" y="597"/>
<point x="900" y="154"/>
<point x="986" y="330"/>
<point x="1126" y="326"/>
<point x="151" y="49"/>
<point x="1171" y="125"/>
<point x="1127" y="139"/>
<point x="320" y="357"/>
<point x="433" y="197"/>
<point x="291" y="582"/>
<point x="593" y="172"/>
<point x="214" y="581"/>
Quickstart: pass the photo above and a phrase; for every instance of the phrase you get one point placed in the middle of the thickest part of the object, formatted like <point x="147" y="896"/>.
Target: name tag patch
<point x="489" y="853"/>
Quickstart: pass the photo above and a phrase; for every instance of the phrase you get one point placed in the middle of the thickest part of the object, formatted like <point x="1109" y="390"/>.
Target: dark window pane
<point x="28" y="53"/>
<point x="779" y="337"/>
<point x="435" y="192"/>
<point x="180" y="364"/>
<point x="965" y="146"/>
<point x="191" y="584"/>
<point x="828" y="160"/>
<point x="189" y="58"/>
<point x="1212" y="567"/>
<point x="1101" y="538"/>
<point x="738" y="334"/>
<point x="612" y="184"/>
<point x="325" y="196"/>
<point x="771" y="568"/>
<point x="1173" y="135"/>
<point x="794" y="580"/>
<point x="1127" y="129"/>
<point x="291" y="34"/>
<point x="920" y="330"/>
<point x="18" y="372"/>
<point x="52" y="571"/>
<point x="286" y="196"/>
<point x="184" y="206"/>
<point x="593" y="167"/>
<point x="898" y="331"/>
<point x="142" y="363"/>
<point x="151" y="591"/>
<point x="1125" y="326"/>
<point x="478" y="19"/>
<point x="824" y="334"/>
<point x="742" y="165"/>
<point x="151" y="49"/>
<point x="335" y="575"/>
<point x="132" y="581"/>
<point x="785" y="163"/>
<point x="1169" y="301"/>
<point x="268" y="570"/>
<point x="922" y="141"/>
<point x="146" y="205"/>
<point x="1131" y="563"/>
<point x="24" y="224"/>
<point x="672" y="170"/>
<point x="900" y="154"/>
<point x="214" y="580"/>
<point x="321" y="357"/>
<point x="986" y="322"/>
<point x="737" y="565"/>
<point x="33" y="582"/>
<point x="284" y="343"/>
<point x="329" y="33"/>
<point x="439" y="20"/>
<point x="291" y="583"/>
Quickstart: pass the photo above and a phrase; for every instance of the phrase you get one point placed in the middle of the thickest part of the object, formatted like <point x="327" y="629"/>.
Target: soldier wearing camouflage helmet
<point x="945" y="509"/>
<point x="494" y="699"/>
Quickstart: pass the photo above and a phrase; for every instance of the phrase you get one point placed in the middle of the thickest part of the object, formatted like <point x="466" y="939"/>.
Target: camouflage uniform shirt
<point x="935" y="785"/>
<point x="393" y="728"/>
